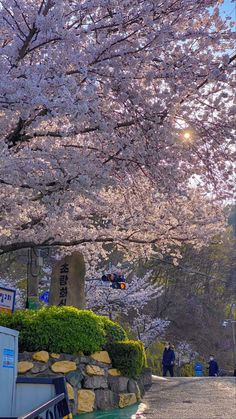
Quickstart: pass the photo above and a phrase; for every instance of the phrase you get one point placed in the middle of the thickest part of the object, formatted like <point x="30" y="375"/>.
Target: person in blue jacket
<point x="213" y="367"/>
<point x="168" y="360"/>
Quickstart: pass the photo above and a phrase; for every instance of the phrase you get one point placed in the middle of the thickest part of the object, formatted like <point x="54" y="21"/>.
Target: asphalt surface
<point x="189" y="398"/>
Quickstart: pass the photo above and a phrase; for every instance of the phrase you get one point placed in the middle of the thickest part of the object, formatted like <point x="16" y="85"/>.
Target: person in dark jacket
<point x="168" y="360"/>
<point x="213" y="367"/>
<point x="235" y="370"/>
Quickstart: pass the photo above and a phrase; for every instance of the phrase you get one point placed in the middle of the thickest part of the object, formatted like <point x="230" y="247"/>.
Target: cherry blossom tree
<point x="116" y="123"/>
<point x="112" y="302"/>
<point x="149" y="329"/>
<point x="185" y="353"/>
<point x="129" y="304"/>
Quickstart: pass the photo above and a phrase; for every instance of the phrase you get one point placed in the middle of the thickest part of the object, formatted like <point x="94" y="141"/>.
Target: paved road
<point x="189" y="398"/>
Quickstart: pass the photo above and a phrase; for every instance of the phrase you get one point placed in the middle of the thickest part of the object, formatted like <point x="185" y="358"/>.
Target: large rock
<point x="24" y="366"/>
<point x="141" y="387"/>
<point x="70" y="391"/>
<point x="101" y="356"/>
<point x="24" y="356"/>
<point x="67" y="281"/>
<point x="95" y="382"/>
<point x="127" y="400"/>
<point x="133" y="386"/>
<point x="85" y="359"/>
<point x="39" y="367"/>
<point x="75" y="378"/>
<point x="42" y="356"/>
<point x="69" y="357"/>
<point x="114" y="372"/>
<point x="55" y="356"/>
<point x="86" y="400"/>
<point x="63" y="366"/>
<point x="106" y="399"/>
<point x="94" y="370"/>
<point x="118" y="384"/>
<point x="146" y="378"/>
<point x="70" y="416"/>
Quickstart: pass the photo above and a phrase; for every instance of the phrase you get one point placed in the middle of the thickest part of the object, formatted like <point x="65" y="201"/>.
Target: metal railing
<point x="56" y="408"/>
<point x="53" y="409"/>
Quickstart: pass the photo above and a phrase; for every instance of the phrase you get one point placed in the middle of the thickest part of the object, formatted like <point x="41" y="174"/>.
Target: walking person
<point x="168" y="360"/>
<point x="213" y="367"/>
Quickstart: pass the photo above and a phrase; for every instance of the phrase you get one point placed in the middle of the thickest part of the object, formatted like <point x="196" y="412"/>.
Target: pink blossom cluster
<point x="117" y="123"/>
<point x="129" y="304"/>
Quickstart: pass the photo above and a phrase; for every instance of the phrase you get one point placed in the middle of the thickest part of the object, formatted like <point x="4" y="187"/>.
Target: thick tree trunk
<point x="67" y="282"/>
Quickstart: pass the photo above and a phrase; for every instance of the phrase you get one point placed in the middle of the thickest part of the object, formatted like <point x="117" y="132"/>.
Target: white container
<point x="8" y="370"/>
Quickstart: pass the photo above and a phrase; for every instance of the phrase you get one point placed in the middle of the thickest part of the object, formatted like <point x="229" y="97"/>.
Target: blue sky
<point x="229" y="8"/>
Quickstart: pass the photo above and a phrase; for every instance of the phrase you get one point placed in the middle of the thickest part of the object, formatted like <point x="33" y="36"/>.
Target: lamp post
<point x="232" y="322"/>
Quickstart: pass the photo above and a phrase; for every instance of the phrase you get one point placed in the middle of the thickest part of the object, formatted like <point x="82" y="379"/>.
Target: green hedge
<point x="69" y="330"/>
<point x="114" y="332"/>
<point x="128" y="356"/>
<point x="62" y="329"/>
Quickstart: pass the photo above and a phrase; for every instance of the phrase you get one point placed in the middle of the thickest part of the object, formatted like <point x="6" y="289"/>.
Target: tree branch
<point x="59" y="243"/>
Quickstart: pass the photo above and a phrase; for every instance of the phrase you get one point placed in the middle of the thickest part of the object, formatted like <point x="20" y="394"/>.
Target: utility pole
<point x="33" y="271"/>
<point x="232" y="321"/>
<point x="234" y="341"/>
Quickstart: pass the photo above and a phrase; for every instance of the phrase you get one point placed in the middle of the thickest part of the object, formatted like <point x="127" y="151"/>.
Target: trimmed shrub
<point x="187" y="370"/>
<point x="154" y="357"/>
<point x="114" y="332"/>
<point x="129" y="357"/>
<point x="57" y="329"/>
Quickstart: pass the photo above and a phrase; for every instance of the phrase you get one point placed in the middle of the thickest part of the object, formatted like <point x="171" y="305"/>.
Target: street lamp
<point x="232" y="322"/>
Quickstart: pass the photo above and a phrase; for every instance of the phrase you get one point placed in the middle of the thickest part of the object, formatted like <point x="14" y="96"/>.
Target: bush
<point x="187" y="370"/>
<point x="129" y="357"/>
<point x="61" y="329"/>
<point x="114" y="332"/>
<point x="154" y="357"/>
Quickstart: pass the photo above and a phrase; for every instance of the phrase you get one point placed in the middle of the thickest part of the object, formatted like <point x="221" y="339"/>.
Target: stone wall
<point x="92" y="382"/>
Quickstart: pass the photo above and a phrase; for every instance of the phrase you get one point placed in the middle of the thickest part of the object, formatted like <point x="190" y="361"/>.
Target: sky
<point x="229" y="8"/>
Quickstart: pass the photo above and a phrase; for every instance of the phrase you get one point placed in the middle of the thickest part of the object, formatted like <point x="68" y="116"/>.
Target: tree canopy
<point x="116" y="123"/>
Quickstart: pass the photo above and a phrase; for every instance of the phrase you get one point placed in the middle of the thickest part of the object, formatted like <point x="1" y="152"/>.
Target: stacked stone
<point x="92" y="382"/>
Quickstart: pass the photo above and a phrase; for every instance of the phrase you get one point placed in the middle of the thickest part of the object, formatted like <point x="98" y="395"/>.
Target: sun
<point x="187" y="135"/>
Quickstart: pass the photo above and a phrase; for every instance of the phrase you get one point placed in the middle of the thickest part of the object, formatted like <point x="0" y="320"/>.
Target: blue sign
<point x="8" y="360"/>
<point x="45" y="297"/>
<point x="7" y="299"/>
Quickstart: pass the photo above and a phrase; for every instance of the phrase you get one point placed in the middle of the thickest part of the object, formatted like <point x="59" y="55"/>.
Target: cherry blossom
<point x="112" y="302"/>
<point x="96" y="98"/>
<point x="149" y="329"/>
<point x="129" y="304"/>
